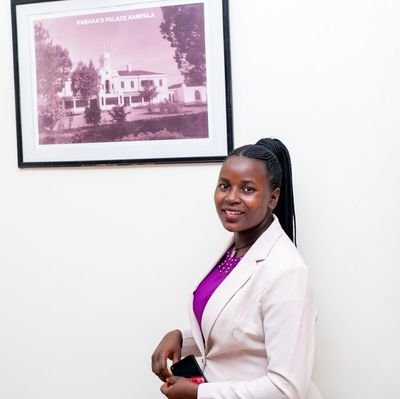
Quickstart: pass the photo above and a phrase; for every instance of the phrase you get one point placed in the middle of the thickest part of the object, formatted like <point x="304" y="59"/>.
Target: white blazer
<point x="258" y="326"/>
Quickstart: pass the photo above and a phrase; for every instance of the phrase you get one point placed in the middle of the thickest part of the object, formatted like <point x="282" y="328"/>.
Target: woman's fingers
<point x="168" y="348"/>
<point x="159" y="365"/>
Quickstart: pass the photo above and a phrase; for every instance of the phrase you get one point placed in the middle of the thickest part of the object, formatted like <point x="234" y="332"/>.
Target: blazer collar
<point x="235" y="280"/>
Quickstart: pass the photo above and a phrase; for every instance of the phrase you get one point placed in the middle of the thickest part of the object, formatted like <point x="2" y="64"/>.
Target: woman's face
<point x="243" y="197"/>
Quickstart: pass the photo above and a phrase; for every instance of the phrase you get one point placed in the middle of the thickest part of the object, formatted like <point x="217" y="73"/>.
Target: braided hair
<point x="276" y="157"/>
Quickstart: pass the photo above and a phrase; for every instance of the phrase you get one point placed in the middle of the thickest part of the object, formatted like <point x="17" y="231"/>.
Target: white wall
<point x="96" y="263"/>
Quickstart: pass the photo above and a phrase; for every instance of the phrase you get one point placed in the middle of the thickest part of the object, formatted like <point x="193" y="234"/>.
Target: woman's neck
<point x="245" y="239"/>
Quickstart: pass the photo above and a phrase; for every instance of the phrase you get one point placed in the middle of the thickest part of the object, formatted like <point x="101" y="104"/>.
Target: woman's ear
<point x="273" y="200"/>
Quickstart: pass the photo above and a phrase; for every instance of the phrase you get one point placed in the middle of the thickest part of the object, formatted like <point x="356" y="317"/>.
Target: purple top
<point x="211" y="282"/>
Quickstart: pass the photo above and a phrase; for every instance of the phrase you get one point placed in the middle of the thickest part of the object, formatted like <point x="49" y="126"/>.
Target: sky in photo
<point x="130" y="37"/>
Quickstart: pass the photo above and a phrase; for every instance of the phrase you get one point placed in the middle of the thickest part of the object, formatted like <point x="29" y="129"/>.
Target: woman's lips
<point x="232" y="215"/>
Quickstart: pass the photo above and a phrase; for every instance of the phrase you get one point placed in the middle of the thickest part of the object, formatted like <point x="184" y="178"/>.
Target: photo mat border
<point x="23" y="136"/>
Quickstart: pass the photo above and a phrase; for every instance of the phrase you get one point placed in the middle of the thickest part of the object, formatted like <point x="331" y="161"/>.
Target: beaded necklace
<point x="229" y="262"/>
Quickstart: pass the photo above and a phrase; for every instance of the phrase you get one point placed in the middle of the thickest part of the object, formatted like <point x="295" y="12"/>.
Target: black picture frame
<point x="173" y="106"/>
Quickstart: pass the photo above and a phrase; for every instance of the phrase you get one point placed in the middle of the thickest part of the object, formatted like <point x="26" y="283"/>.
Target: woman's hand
<point x="179" y="388"/>
<point x="168" y="348"/>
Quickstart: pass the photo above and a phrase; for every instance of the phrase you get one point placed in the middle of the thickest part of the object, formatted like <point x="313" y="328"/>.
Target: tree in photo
<point x="50" y="113"/>
<point x="85" y="80"/>
<point x="53" y="63"/>
<point x="93" y="114"/>
<point x="118" y="114"/>
<point x="183" y="27"/>
<point x="149" y="92"/>
<point x="53" y="66"/>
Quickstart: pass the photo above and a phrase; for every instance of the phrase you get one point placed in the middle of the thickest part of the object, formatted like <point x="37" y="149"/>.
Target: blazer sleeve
<point x="288" y="317"/>
<point x="189" y="345"/>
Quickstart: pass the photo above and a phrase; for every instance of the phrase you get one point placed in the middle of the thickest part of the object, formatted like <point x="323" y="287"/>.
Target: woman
<point x="252" y="316"/>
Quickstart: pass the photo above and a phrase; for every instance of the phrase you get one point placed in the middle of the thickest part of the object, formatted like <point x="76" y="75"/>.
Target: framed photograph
<point x="121" y="81"/>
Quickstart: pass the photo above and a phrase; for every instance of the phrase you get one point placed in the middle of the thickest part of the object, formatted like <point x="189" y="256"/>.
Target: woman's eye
<point x="223" y="186"/>
<point x="248" y="189"/>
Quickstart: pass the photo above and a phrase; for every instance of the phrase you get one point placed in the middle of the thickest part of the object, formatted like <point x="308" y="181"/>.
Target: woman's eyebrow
<point x="244" y="181"/>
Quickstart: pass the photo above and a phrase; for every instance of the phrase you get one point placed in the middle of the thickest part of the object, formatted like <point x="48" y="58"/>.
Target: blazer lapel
<point x="196" y="330"/>
<point x="234" y="281"/>
<point x="239" y="276"/>
<point x="226" y="290"/>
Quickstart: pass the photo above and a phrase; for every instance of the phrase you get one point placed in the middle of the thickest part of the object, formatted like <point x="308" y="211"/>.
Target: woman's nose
<point x="232" y="196"/>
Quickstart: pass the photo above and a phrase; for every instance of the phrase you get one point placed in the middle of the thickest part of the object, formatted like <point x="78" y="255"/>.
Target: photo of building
<point x="127" y="87"/>
<point x="132" y="78"/>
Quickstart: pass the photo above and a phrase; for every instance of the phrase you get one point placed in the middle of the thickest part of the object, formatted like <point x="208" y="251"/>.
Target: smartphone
<point x="188" y="368"/>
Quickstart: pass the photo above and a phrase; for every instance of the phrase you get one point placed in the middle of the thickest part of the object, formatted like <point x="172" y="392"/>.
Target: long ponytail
<point x="276" y="157"/>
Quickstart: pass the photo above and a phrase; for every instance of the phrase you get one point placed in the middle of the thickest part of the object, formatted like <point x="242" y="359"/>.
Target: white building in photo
<point x="119" y="87"/>
<point x="127" y="87"/>
<point x="188" y="95"/>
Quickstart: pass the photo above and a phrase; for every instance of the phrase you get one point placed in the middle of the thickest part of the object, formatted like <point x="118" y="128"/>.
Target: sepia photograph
<point x="129" y="75"/>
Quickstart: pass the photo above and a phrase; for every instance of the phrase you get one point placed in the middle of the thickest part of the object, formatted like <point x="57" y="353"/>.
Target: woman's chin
<point x="233" y="228"/>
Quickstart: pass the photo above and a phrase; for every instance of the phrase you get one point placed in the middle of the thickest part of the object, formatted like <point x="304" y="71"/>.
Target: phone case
<point x="188" y="368"/>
